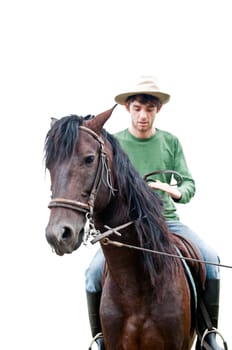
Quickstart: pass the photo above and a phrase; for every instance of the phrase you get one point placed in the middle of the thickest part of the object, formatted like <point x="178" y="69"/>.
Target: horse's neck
<point x="125" y="264"/>
<point x="114" y="215"/>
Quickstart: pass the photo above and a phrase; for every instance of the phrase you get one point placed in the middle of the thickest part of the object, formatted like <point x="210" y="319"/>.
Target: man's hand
<point x="171" y="190"/>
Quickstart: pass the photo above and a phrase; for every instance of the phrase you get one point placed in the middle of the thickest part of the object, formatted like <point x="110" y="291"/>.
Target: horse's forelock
<point x="61" y="139"/>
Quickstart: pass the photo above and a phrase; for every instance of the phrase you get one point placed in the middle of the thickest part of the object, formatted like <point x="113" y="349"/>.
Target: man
<point x="150" y="149"/>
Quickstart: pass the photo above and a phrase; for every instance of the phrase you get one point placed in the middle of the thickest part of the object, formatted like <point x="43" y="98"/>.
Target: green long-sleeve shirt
<point x="162" y="151"/>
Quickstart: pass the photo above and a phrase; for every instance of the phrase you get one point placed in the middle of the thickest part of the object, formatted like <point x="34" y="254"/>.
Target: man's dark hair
<point x="144" y="99"/>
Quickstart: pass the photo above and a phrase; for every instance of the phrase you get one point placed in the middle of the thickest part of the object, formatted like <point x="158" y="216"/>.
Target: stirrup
<point x="98" y="335"/>
<point x="213" y="330"/>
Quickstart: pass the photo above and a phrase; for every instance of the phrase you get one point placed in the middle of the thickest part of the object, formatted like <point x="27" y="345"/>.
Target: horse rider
<point x="149" y="149"/>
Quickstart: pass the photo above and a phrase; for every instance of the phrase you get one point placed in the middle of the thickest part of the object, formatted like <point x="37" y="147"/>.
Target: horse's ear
<point x="53" y="120"/>
<point x="96" y="124"/>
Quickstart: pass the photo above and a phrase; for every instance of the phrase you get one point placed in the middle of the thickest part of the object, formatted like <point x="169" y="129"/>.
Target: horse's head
<point x="81" y="183"/>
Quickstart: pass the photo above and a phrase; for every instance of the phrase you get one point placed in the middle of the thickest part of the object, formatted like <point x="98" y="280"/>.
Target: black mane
<point x="145" y="209"/>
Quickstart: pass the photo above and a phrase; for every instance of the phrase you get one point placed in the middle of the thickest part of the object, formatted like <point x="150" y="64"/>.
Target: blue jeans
<point x="93" y="273"/>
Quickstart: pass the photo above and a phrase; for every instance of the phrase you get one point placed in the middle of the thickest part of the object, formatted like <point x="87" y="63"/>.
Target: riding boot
<point x="211" y="300"/>
<point x="93" y="303"/>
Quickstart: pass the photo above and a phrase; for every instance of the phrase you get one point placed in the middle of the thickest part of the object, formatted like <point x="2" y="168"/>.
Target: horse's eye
<point x="89" y="159"/>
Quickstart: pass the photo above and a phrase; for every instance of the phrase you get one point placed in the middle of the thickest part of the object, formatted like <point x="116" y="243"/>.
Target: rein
<point x="171" y="172"/>
<point x="107" y="241"/>
<point x="103" y="238"/>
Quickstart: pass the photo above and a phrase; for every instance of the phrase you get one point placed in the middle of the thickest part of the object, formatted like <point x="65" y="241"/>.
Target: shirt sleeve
<point x="187" y="187"/>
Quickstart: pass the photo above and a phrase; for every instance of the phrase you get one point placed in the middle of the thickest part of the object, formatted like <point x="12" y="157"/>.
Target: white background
<point x="63" y="57"/>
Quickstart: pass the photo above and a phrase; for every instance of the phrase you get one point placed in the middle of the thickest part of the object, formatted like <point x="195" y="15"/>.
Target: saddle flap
<point x="194" y="259"/>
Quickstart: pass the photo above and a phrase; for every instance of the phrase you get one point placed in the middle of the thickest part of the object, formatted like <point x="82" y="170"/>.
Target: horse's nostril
<point x="66" y="234"/>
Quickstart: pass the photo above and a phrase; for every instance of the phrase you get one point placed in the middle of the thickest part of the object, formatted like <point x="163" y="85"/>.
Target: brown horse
<point x="146" y="303"/>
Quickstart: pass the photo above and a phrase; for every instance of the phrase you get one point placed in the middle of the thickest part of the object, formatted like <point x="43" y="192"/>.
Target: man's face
<point x="142" y="115"/>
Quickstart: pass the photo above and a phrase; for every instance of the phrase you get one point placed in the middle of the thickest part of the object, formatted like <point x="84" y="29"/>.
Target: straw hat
<point x="145" y="85"/>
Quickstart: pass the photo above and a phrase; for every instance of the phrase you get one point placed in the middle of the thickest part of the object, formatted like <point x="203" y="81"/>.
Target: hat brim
<point x="121" y="99"/>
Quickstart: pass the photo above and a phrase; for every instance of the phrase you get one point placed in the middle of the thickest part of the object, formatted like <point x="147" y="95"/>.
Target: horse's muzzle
<point x="63" y="239"/>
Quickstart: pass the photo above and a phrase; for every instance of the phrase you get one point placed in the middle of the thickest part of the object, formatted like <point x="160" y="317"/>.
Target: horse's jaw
<point x="64" y="238"/>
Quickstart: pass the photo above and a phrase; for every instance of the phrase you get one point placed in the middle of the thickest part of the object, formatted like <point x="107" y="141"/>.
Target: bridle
<point x="158" y="172"/>
<point x="102" y="166"/>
